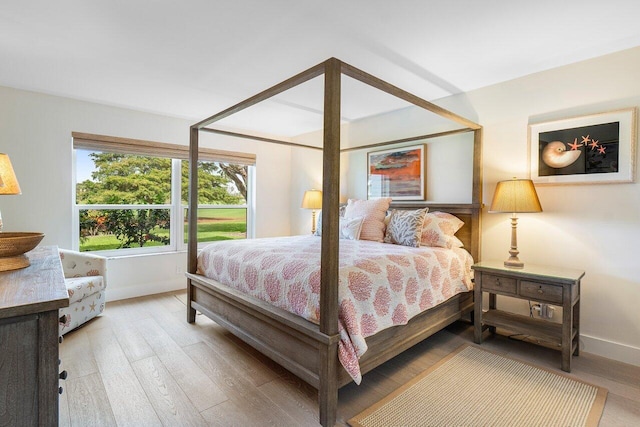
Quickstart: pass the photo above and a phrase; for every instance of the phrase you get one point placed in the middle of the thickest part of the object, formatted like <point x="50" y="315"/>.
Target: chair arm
<point x="79" y="264"/>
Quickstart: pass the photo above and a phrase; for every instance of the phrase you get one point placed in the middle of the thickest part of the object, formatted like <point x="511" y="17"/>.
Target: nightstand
<point x="550" y="285"/>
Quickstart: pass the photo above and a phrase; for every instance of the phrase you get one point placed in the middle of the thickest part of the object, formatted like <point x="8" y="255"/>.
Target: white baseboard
<point x="146" y="289"/>
<point x="611" y="350"/>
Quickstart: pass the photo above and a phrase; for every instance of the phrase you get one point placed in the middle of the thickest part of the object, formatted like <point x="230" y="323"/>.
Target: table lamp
<point x="515" y="196"/>
<point x="312" y="200"/>
<point x="8" y="181"/>
<point x="13" y="246"/>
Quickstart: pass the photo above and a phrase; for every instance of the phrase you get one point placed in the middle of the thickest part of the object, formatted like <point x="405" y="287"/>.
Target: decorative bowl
<point x="13" y="246"/>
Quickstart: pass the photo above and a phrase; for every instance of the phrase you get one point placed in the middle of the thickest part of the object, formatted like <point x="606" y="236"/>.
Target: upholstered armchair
<point x="86" y="281"/>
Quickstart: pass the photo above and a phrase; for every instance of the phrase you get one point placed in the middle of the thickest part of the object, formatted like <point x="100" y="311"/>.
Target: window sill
<point x="138" y="255"/>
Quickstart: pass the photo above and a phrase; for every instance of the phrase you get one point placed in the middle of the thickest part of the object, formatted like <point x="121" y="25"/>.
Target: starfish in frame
<point x="602" y="149"/>
<point x="575" y="145"/>
<point x="585" y="140"/>
<point x="593" y="144"/>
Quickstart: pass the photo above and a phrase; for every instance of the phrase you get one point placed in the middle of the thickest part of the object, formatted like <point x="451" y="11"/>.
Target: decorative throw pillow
<point x="350" y="228"/>
<point x="373" y="212"/>
<point x="318" y="224"/>
<point x="405" y="227"/>
<point x="439" y="230"/>
<point x="319" y="220"/>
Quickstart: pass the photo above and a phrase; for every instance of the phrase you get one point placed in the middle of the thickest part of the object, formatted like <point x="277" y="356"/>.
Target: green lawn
<point x="106" y="242"/>
<point x="238" y="214"/>
<point x="220" y="224"/>
<point x="214" y="224"/>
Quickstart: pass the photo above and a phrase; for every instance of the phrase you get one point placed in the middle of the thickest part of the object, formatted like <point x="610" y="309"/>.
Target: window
<point x="131" y="196"/>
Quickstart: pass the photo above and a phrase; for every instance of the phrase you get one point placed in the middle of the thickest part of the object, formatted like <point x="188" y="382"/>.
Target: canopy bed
<point x="310" y="348"/>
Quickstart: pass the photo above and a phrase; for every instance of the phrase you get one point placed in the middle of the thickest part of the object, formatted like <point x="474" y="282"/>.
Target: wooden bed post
<point x="192" y="247"/>
<point x="477" y="167"/>
<point x="328" y="390"/>
<point x="476" y="196"/>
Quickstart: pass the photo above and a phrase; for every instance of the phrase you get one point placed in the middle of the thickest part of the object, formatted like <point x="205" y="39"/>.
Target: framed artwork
<point x="398" y="173"/>
<point x="594" y="149"/>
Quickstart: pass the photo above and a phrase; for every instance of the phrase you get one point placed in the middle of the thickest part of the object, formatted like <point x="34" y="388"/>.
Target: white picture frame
<point x="592" y="149"/>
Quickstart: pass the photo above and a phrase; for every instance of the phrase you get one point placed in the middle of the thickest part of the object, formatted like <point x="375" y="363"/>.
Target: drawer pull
<point x="63" y="319"/>
<point x="63" y="375"/>
<point x="60" y="339"/>
<point x="498" y="282"/>
<point x="59" y="390"/>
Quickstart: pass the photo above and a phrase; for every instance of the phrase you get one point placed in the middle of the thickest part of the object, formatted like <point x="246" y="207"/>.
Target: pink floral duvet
<point x="381" y="285"/>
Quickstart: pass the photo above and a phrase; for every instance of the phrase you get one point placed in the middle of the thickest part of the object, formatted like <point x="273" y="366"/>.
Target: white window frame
<point x="249" y="206"/>
<point x="176" y="208"/>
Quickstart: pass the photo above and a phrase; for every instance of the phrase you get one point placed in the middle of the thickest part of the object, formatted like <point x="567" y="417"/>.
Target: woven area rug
<point x="474" y="387"/>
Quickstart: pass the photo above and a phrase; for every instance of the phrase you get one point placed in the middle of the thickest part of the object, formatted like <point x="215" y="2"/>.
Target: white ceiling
<point x="193" y="58"/>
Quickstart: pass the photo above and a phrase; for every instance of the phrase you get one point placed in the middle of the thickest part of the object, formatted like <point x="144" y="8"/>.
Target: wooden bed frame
<point x="308" y="350"/>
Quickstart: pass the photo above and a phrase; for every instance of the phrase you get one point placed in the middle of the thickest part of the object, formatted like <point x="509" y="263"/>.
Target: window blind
<point x="114" y="144"/>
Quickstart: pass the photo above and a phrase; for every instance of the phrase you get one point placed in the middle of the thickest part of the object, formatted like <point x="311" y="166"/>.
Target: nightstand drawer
<point x="539" y="291"/>
<point x="498" y="283"/>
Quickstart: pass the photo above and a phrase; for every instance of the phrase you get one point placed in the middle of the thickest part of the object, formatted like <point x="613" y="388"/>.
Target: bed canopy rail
<point x="332" y="69"/>
<point x="352" y="72"/>
<point x="342" y="150"/>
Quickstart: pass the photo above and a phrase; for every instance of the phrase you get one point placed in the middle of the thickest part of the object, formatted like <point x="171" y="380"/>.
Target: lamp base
<point x="514" y="263"/>
<point x="14" y="262"/>
<point x="313" y="221"/>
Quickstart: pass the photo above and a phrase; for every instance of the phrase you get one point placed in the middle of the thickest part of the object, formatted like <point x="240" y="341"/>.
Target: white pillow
<point x="319" y="220"/>
<point x="350" y="228"/>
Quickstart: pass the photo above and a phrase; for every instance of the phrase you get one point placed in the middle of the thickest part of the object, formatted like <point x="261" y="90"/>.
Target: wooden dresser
<point x="29" y="364"/>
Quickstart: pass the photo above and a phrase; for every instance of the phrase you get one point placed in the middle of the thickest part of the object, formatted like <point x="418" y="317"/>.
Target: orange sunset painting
<point x="397" y="173"/>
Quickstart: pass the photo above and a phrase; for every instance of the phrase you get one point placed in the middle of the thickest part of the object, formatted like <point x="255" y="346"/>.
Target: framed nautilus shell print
<point x="595" y="149"/>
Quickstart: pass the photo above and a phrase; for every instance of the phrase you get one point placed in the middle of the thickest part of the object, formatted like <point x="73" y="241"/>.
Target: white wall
<point x="592" y="227"/>
<point x="306" y="173"/>
<point x="35" y="130"/>
<point x="595" y="228"/>
<point x="449" y="160"/>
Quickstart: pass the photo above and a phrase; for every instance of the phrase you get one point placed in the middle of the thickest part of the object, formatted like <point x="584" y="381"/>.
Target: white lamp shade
<point x="312" y="199"/>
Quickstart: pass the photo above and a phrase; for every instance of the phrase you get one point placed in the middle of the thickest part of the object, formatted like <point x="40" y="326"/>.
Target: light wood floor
<point x="141" y="363"/>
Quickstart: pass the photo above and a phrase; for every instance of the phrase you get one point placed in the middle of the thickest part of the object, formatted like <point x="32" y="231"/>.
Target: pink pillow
<point x="439" y="229"/>
<point x="373" y="211"/>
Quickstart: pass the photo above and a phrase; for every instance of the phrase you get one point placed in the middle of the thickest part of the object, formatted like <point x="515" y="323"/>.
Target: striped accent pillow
<point x="373" y="211"/>
<point x="405" y="227"/>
